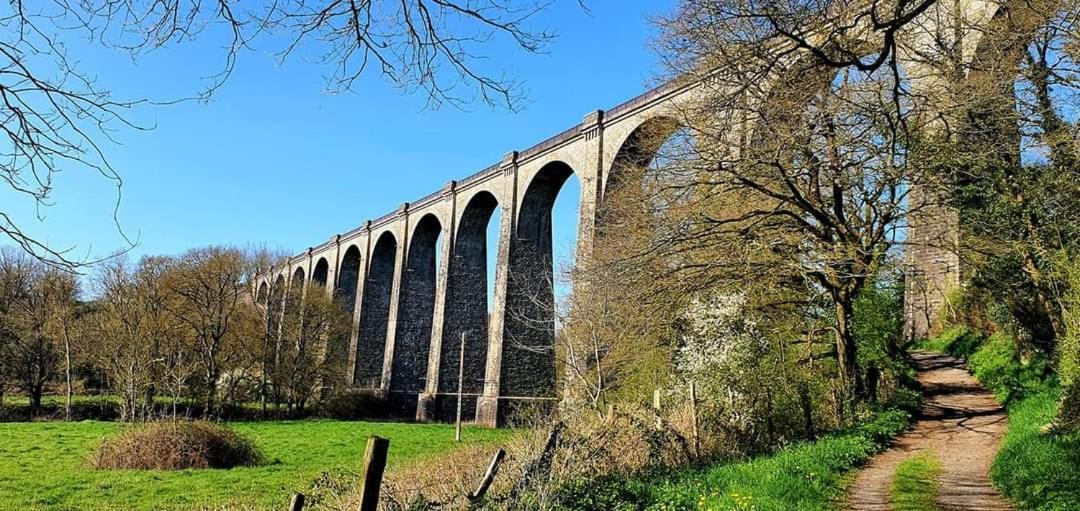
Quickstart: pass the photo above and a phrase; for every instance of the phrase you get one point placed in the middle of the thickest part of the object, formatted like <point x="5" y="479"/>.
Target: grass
<point x="915" y="484"/>
<point x="807" y="476"/>
<point x="1037" y="470"/>
<point x="44" y="465"/>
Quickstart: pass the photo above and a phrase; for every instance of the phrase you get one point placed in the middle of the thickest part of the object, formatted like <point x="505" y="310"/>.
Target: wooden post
<point x="489" y="476"/>
<point x="693" y="412"/>
<point x="460" y="385"/>
<point x="374" y="464"/>
<point x="297" y="503"/>
<point x="656" y="406"/>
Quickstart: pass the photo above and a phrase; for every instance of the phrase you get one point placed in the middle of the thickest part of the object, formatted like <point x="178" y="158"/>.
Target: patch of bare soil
<point x="961" y="423"/>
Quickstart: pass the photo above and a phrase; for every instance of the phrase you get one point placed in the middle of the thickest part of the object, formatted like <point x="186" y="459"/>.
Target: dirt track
<point x="961" y="423"/>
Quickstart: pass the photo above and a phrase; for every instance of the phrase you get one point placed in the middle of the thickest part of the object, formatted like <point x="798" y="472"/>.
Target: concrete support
<point x="528" y="360"/>
<point x="335" y="264"/>
<point x="933" y="264"/>
<point x="466" y="312"/>
<point x="277" y="305"/>
<point x="425" y="406"/>
<point x="487" y="405"/>
<point x="394" y="308"/>
<point x="591" y="178"/>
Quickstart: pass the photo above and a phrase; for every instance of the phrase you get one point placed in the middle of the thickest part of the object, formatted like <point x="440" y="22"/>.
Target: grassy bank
<point x="1037" y="470"/>
<point x="806" y="476"/>
<point x="43" y="465"/>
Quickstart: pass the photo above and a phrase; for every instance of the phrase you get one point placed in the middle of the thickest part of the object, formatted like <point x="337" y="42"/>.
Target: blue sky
<point x="272" y="159"/>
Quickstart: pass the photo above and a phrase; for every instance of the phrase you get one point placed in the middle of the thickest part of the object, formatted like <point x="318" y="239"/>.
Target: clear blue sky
<point x="274" y="160"/>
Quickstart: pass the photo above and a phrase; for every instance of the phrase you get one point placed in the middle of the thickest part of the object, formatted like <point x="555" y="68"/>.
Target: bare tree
<point x="38" y="302"/>
<point x="56" y="117"/>
<point x="211" y="292"/>
<point x="122" y="338"/>
<point x="306" y="366"/>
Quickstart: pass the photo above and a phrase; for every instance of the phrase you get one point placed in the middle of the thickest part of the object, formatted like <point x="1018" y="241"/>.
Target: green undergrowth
<point x="915" y="485"/>
<point x="1037" y="469"/>
<point x="805" y="476"/>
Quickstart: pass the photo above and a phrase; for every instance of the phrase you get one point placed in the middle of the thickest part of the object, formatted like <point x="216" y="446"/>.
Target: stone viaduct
<point x="409" y="315"/>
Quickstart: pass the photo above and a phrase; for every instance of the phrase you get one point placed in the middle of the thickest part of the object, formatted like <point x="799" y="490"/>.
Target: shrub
<point x="971" y="307"/>
<point x="177" y="445"/>
<point x="357" y="404"/>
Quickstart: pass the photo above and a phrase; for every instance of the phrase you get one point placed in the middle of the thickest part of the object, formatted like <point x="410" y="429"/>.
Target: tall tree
<point x="38" y="304"/>
<point x="121" y="335"/>
<point x="211" y="292"/>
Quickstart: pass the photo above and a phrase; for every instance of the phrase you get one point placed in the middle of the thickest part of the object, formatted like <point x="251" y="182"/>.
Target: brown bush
<point x="177" y="445"/>
<point x="357" y="404"/>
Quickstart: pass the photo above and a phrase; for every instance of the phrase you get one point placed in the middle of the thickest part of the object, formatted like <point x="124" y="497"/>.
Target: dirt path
<point x="961" y="423"/>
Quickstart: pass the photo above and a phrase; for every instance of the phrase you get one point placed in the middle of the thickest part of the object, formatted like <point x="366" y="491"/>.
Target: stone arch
<point x="277" y="299"/>
<point x="263" y="294"/>
<point x="412" y="341"/>
<point x="348" y="279"/>
<point x="639" y="149"/>
<point x="528" y="358"/>
<point x="375" y="312"/>
<point x="629" y="169"/>
<point x="345" y="290"/>
<point x="294" y="297"/>
<point x="467" y="307"/>
<point x="321" y="273"/>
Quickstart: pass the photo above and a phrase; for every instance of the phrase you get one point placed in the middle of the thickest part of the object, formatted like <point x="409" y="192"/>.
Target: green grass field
<point x="43" y="465"/>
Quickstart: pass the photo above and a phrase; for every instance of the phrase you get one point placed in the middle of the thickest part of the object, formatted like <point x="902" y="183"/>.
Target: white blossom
<point x="718" y="332"/>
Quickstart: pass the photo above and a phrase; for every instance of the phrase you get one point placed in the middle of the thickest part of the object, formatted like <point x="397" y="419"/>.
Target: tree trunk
<point x="35" y="398"/>
<point x="873" y="377"/>
<point x="210" y="401"/>
<point x="807" y="405"/>
<point x="846" y="352"/>
<point x="67" y="377"/>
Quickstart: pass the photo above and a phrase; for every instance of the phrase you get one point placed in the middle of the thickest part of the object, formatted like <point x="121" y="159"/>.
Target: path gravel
<point x="961" y="423"/>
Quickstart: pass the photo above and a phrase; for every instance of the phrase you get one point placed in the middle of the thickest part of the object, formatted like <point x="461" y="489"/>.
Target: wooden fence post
<point x="460" y="385"/>
<point x="693" y="411"/>
<point x="297" y="503"/>
<point x="656" y="406"/>
<point x="374" y="465"/>
<point x="489" y="476"/>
